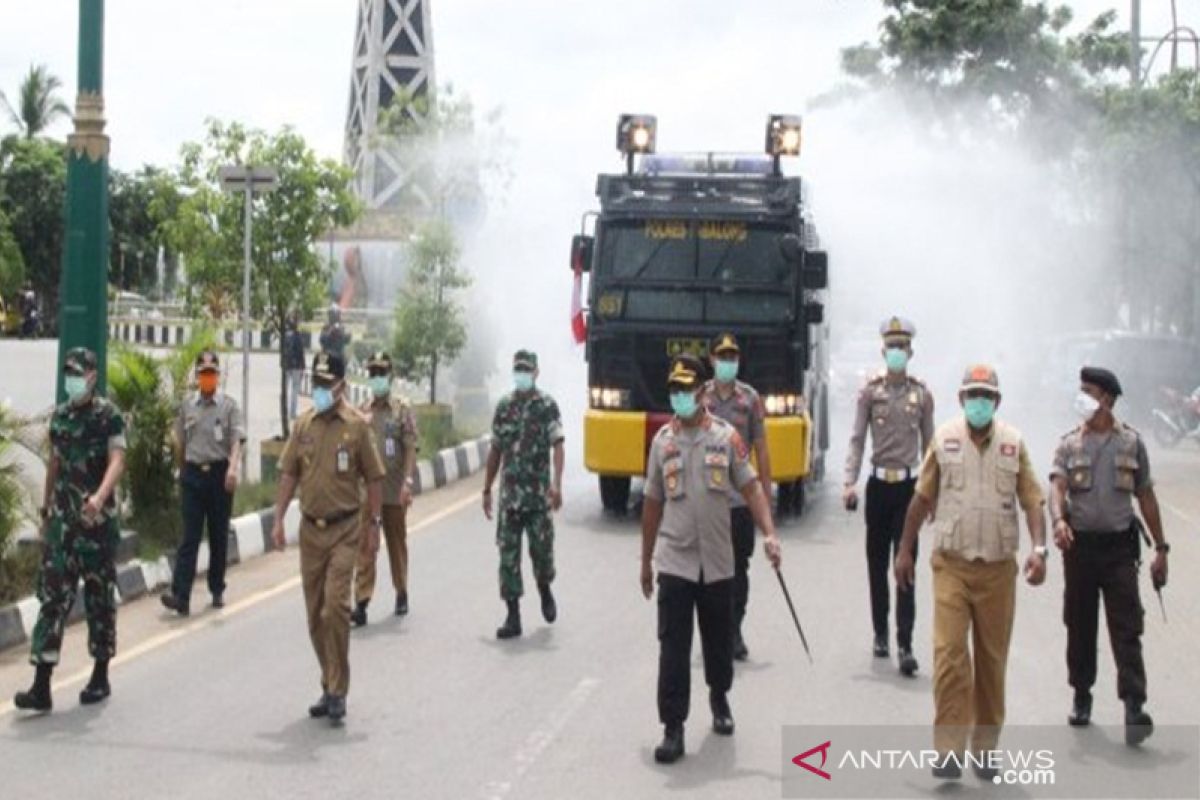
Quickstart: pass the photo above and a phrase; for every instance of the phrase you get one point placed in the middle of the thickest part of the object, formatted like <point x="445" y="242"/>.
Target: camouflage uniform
<point x="81" y="437"/>
<point x="525" y="428"/>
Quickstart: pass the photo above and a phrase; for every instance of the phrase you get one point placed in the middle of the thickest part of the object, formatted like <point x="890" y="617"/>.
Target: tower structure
<point x="393" y="56"/>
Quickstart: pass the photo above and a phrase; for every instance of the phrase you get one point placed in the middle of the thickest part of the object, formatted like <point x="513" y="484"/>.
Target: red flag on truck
<point x="578" y="323"/>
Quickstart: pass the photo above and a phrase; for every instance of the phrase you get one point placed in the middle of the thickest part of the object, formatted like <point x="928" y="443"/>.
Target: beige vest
<point x="977" y="499"/>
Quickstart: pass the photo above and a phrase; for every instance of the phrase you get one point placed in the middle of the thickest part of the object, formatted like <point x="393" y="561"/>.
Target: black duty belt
<point x="324" y="522"/>
<point x="209" y="466"/>
<point x="1100" y="540"/>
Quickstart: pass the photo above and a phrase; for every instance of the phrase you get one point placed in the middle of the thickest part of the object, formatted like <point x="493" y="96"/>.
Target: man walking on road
<point x="686" y="533"/>
<point x="209" y="436"/>
<point x="898" y="411"/>
<point x="293" y="363"/>
<point x="526" y="430"/>
<point x="975" y="474"/>
<point x="330" y="452"/>
<point x="80" y="532"/>
<point x="738" y="404"/>
<point x="1099" y="468"/>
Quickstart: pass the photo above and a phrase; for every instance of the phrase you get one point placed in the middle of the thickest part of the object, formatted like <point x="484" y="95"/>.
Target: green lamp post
<point x="83" y="299"/>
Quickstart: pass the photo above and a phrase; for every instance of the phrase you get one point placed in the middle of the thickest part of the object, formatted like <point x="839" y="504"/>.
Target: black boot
<point x="320" y="708"/>
<point x="1138" y="724"/>
<point x="722" y="716"/>
<point x="740" y="651"/>
<point x="549" y="607"/>
<point x="38" y="697"/>
<point x="336" y="706"/>
<point x="358" y="617"/>
<point x="1081" y="710"/>
<point x="671" y="749"/>
<point x="180" y="607"/>
<point x="908" y="662"/>
<point x="948" y="768"/>
<point x="512" y="624"/>
<point x="97" y="688"/>
<point x="880" y="649"/>
<point x="401" y="603"/>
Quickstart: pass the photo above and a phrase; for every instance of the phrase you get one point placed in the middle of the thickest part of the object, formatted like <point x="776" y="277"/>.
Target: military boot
<point x="512" y="624"/>
<point x="180" y="607"/>
<point x="671" y="749"/>
<point x="1081" y="710"/>
<point x="337" y="710"/>
<point x="320" y="708"/>
<point x="740" y="651"/>
<point x="401" y="603"/>
<point x="549" y="607"/>
<point x="358" y="617"/>
<point x="880" y="648"/>
<point x="38" y="697"/>
<point x="97" y="688"/>
<point x="722" y="716"/>
<point x="1138" y="724"/>
<point x="908" y="662"/>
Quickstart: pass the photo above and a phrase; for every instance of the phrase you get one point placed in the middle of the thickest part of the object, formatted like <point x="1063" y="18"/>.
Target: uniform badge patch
<point x="718" y="477"/>
<point x="1008" y="450"/>
<point x="952" y="446"/>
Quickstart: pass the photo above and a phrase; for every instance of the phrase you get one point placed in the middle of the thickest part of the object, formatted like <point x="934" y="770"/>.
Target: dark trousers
<point x="887" y="504"/>
<point x="1104" y="564"/>
<point x="205" y="501"/>
<point x="712" y="604"/>
<point x="742" y="524"/>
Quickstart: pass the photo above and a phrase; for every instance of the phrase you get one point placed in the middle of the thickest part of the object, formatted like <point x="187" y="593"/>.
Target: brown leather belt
<point x="321" y="523"/>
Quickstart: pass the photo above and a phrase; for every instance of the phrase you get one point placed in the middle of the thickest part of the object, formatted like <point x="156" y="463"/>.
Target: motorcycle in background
<point x="1178" y="418"/>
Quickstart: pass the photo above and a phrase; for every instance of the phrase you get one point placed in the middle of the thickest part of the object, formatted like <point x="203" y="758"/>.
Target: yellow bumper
<point x="614" y="442"/>
<point x="788" y="443"/>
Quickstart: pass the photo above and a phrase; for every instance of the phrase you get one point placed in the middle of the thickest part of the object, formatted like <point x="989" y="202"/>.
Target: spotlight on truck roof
<point x="636" y="133"/>
<point x="783" y="135"/>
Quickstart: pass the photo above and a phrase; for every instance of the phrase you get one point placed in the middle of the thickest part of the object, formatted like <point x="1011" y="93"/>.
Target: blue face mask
<point x="75" y="386"/>
<point x="979" y="411"/>
<point x="896" y="358"/>
<point x="726" y="371"/>
<point x="322" y="398"/>
<point x="380" y="385"/>
<point x="683" y="404"/>
<point x="522" y="381"/>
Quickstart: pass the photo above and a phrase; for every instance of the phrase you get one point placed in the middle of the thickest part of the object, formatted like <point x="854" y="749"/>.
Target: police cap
<point x="724" y="343"/>
<point x="379" y="363"/>
<point x="328" y="367"/>
<point x="207" y="361"/>
<point x="686" y="372"/>
<point x="897" y="330"/>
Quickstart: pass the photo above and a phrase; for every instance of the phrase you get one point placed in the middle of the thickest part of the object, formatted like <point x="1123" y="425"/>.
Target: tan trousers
<point x="979" y="598"/>
<point x="395" y="538"/>
<point x="326" y="567"/>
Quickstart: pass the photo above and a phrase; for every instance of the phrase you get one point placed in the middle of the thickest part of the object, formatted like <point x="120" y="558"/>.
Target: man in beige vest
<point x="975" y="474"/>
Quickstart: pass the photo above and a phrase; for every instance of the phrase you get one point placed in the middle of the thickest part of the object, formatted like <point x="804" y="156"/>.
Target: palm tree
<point x="38" y="104"/>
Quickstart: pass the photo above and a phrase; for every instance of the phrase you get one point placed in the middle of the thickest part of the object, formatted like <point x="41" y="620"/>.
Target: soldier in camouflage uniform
<point x="80" y="531"/>
<point x="525" y="429"/>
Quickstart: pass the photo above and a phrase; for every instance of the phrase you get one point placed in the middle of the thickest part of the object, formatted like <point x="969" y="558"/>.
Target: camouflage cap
<point x="328" y="367"/>
<point x="379" y="360"/>
<point x="525" y="359"/>
<point x="686" y="372"/>
<point x="980" y="377"/>
<point x="208" y="361"/>
<point x="898" y="330"/>
<point x="724" y="343"/>
<point x="79" y="360"/>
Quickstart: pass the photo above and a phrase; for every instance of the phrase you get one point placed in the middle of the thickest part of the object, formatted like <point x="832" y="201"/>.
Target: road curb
<point x="249" y="537"/>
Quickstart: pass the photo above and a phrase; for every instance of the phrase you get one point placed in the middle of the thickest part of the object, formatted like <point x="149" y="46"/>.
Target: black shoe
<point x="549" y="607"/>
<point x="512" y="624"/>
<point x="1081" y="710"/>
<point x="358" y="617"/>
<point x="881" y="647"/>
<point x="949" y="769"/>
<point x="33" y="700"/>
<point x="740" y="651"/>
<point x="172" y="602"/>
<point x="1138" y="724"/>
<point x="401" y="604"/>
<point x="908" y="663"/>
<point x="337" y="710"/>
<point x="671" y="749"/>
<point x="722" y="716"/>
<point x="94" y="692"/>
<point x="218" y="600"/>
<point x="320" y="708"/>
<point x="984" y="773"/>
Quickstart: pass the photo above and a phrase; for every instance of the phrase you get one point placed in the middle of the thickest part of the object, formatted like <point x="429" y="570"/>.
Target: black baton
<point x="787" y="596"/>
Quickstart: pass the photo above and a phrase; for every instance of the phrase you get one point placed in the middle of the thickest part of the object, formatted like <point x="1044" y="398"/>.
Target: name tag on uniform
<point x="718" y="459"/>
<point x="343" y="460"/>
<point x="218" y="432"/>
<point x="389" y="447"/>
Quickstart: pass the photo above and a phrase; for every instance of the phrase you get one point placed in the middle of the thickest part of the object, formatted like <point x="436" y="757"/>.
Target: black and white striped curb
<point x="165" y="333"/>
<point x="249" y="537"/>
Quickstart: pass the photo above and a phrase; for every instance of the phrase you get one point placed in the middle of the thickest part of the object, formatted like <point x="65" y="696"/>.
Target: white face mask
<point x="1086" y="406"/>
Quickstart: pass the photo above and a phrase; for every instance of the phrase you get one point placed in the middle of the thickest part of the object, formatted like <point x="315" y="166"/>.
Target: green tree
<point x="33" y="190"/>
<point x="140" y="203"/>
<point x="38" y="104"/>
<point x="12" y="264"/>
<point x="313" y="197"/>
<point x="430" y="326"/>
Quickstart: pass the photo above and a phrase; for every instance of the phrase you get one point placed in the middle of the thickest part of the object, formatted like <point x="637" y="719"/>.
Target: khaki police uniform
<point x="976" y="490"/>
<point x="330" y="455"/>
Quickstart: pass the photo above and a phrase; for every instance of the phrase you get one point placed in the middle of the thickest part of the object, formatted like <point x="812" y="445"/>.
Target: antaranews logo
<point x="823" y="749"/>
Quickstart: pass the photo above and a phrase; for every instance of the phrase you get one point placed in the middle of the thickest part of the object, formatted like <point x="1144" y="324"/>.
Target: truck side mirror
<point x="581" y="252"/>
<point x="814" y="313"/>
<point x="791" y="248"/>
<point x="815" y="272"/>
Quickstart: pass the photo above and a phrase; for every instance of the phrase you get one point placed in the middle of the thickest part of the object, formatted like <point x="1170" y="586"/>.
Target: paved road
<point x="440" y="709"/>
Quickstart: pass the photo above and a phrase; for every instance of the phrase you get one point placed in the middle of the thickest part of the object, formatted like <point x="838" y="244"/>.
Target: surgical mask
<point x="1086" y="406"/>
<point x="979" y="411"/>
<point x="75" y="386"/>
<point x="896" y="358"/>
<point x="683" y="404"/>
<point x="207" y="381"/>
<point x="522" y="381"/>
<point x="380" y="385"/>
<point x="726" y="371"/>
<point x="322" y="398"/>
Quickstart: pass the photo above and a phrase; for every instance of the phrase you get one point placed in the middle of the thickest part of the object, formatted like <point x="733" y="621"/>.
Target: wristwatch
<point x="1041" y="550"/>
<point x="1162" y="547"/>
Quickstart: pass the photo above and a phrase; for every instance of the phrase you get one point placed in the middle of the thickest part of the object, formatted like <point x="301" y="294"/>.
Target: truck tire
<point x="614" y="494"/>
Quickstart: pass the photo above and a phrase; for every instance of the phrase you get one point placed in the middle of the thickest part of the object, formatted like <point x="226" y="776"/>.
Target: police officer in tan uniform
<point x="975" y="474"/>
<point x="740" y="405"/>
<point x="330" y="452"/>
<point x="1099" y="468"/>
<point x="898" y="411"/>
<point x="395" y="432"/>
<point x="693" y="461"/>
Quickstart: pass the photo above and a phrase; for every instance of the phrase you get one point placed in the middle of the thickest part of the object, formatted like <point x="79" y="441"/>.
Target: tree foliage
<point x="12" y="263"/>
<point x="139" y="206"/>
<point x="33" y="189"/>
<point x="37" y="105"/>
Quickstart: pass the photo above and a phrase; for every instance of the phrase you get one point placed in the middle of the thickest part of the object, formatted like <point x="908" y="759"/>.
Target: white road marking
<point x="541" y="738"/>
<point x="1177" y="512"/>
<point x="150" y="645"/>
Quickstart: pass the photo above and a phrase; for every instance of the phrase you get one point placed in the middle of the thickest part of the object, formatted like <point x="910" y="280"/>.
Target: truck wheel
<point x="790" y="499"/>
<point x="614" y="494"/>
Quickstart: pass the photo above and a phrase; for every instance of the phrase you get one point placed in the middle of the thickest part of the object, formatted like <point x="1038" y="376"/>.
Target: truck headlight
<point x="783" y="405"/>
<point x="636" y="133"/>
<point x="602" y="397"/>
